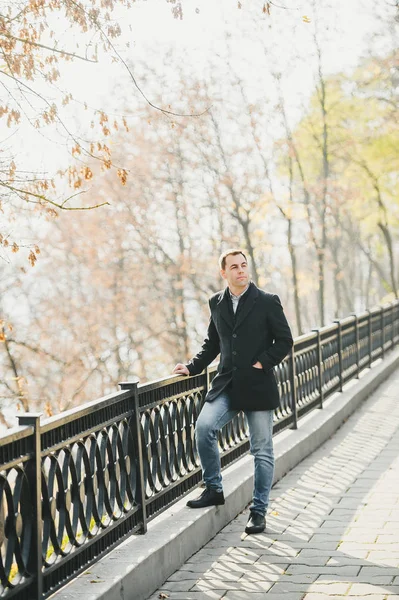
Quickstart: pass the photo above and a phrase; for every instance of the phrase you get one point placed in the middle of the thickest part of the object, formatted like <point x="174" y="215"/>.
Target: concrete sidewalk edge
<point x="141" y="564"/>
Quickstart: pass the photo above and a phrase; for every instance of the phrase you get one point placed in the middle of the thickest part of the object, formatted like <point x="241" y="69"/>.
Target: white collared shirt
<point x="235" y="299"/>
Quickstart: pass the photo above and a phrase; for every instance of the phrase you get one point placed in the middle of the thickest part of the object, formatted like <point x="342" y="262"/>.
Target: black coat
<point x="258" y="332"/>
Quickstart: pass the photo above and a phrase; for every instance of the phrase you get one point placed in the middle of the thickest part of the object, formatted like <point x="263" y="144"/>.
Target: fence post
<point x="382" y="332"/>
<point x="319" y="366"/>
<point x="370" y="339"/>
<point x="34" y="476"/>
<point x="340" y="354"/>
<point x="293" y="388"/>
<point x="357" y="345"/>
<point x="140" y="489"/>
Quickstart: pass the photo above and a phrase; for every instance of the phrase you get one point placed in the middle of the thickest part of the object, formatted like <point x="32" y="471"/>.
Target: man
<point x="249" y="329"/>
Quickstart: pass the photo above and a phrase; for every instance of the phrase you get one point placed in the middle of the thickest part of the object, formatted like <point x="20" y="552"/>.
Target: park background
<point x="140" y="139"/>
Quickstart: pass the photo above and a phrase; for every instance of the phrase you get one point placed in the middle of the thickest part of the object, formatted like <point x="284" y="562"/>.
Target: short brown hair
<point x="230" y="252"/>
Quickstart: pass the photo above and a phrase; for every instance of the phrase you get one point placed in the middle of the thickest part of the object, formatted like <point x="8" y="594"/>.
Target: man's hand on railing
<point x="181" y="369"/>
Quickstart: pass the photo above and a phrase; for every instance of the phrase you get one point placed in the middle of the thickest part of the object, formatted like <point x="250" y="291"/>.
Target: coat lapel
<point x="224" y="308"/>
<point x="248" y="305"/>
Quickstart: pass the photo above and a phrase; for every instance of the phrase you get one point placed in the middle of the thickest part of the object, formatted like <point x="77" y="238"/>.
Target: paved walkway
<point x="332" y="528"/>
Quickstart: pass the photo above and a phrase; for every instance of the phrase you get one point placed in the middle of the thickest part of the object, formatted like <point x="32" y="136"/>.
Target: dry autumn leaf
<point x="32" y="258"/>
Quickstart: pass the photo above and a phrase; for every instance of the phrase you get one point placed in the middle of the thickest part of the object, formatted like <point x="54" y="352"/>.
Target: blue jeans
<point x="213" y="416"/>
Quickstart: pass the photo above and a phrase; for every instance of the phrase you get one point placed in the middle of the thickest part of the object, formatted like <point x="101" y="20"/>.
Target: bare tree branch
<point x="63" y="52"/>
<point x="48" y="201"/>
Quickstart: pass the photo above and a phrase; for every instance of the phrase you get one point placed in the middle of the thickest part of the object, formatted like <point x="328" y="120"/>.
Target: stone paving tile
<point x="331" y="571"/>
<point x="241" y="585"/>
<point x="170" y="587"/>
<point x="302" y="578"/>
<point x="344" y="514"/>
<point x="202" y="566"/>
<point x="379" y="570"/>
<point x="225" y="575"/>
<point x="363" y="589"/>
<point x="206" y="554"/>
<point x="329" y="587"/>
<point x="391" y="526"/>
<point x="376" y="579"/>
<point x="216" y="584"/>
<point x="309" y="562"/>
<point x="185" y="576"/>
<point x="350" y="547"/>
<point x="271" y="567"/>
<point x="362" y="537"/>
<point x="387" y="539"/>
<point x="208" y="595"/>
<point x="317" y="596"/>
<point x="261" y="576"/>
<point x="243" y="595"/>
<point x="284" y="538"/>
<point x="242" y="544"/>
<point x="322" y="587"/>
<point x="391" y="562"/>
<point x="332" y="554"/>
<point x="243" y="555"/>
<point x="330" y="546"/>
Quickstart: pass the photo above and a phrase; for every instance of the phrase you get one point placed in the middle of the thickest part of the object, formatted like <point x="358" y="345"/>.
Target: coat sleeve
<point x="209" y="351"/>
<point x="282" y="335"/>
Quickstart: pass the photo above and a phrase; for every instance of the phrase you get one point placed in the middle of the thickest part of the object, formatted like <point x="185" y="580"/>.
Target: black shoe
<point x="256" y="523"/>
<point x="208" y="497"/>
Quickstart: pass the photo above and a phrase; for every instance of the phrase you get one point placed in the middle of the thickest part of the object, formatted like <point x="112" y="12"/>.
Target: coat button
<point x="234" y="368"/>
<point x="234" y="335"/>
<point x="234" y="352"/>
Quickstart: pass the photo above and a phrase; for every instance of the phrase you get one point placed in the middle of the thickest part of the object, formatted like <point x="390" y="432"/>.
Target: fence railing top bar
<point x="305" y="337"/>
<point x="327" y="329"/>
<point x="86" y="409"/>
<point x="348" y="321"/>
<point x="376" y="310"/>
<point x="388" y="305"/>
<point x="149" y="386"/>
<point x="15" y="434"/>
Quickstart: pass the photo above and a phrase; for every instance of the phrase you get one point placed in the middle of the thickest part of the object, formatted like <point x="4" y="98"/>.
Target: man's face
<point x="236" y="271"/>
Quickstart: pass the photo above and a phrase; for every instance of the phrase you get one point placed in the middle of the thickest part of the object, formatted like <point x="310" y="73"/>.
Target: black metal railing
<point x="74" y="486"/>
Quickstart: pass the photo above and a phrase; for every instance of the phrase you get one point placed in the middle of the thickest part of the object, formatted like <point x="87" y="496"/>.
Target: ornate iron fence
<point x="75" y="485"/>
